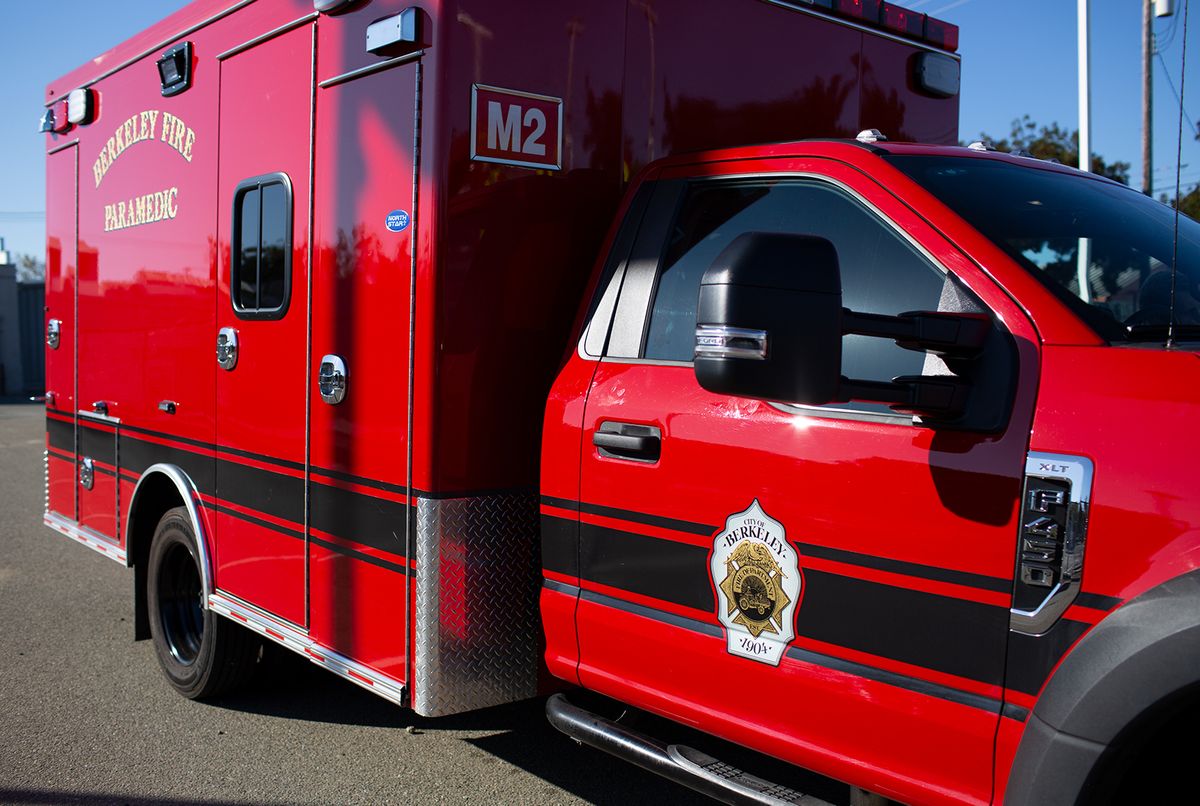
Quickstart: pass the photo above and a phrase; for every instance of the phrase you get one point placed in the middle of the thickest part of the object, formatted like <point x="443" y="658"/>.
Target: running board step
<point x="681" y="764"/>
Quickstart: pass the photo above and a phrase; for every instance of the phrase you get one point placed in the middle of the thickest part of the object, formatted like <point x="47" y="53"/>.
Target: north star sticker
<point x="759" y="585"/>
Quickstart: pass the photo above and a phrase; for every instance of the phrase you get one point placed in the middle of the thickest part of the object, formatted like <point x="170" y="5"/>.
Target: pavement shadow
<point x="290" y="687"/>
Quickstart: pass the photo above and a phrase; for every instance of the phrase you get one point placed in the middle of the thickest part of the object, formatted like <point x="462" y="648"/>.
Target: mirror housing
<point x="769" y="320"/>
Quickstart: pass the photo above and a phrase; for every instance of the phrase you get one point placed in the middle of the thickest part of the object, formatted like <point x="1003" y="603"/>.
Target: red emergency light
<point x="893" y="18"/>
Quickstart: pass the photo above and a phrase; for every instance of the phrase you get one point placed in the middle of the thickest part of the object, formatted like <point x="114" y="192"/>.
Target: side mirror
<point x="770" y="322"/>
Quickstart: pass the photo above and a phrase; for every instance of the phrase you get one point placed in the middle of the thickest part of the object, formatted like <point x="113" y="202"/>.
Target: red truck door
<point x="262" y="225"/>
<point x="861" y="632"/>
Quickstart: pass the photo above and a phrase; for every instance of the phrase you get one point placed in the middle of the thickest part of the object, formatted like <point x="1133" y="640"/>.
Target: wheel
<point x="201" y="653"/>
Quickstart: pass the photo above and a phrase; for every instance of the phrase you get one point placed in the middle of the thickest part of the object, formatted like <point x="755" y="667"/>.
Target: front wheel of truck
<point x="201" y="654"/>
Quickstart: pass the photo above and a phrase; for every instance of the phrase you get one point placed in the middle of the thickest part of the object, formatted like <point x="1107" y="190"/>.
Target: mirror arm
<point x="946" y="334"/>
<point x="933" y="396"/>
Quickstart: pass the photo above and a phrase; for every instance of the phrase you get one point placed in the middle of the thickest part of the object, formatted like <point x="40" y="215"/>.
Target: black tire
<point x="201" y="654"/>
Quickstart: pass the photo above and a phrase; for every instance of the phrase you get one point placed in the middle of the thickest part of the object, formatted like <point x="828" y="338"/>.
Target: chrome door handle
<point x="331" y="379"/>
<point x="227" y="348"/>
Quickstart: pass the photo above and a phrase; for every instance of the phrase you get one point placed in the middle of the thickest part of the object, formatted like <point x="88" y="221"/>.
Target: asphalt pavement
<point x="87" y="718"/>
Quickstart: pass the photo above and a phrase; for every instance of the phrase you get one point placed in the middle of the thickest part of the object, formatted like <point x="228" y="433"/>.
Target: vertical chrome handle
<point x="53" y="331"/>
<point x="331" y="379"/>
<point x="227" y="348"/>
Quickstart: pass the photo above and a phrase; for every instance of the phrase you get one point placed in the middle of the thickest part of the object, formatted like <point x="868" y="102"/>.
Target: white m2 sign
<point x="516" y="128"/>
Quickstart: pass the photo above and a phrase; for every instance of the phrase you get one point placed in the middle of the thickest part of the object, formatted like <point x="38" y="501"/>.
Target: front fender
<point x="1140" y="655"/>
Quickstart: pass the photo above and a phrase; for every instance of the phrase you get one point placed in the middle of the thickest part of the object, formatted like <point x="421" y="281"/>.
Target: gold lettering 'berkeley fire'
<point x="140" y="127"/>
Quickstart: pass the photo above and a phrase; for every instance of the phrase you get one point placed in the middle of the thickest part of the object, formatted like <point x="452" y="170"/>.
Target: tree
<point x="30" y="269"/>
<point x="1189" y="203"/>
<point x="1055" y="143"/>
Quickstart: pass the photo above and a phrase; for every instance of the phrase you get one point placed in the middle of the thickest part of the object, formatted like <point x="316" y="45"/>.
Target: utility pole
<point x="1083" y="257"/>
<point x="1147" y="97"/>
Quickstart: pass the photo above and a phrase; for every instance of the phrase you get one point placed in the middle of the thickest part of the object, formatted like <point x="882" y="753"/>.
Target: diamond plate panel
<point x="478" y="636"/>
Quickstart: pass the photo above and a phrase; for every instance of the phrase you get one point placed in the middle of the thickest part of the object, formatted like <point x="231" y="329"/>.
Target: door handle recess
<point x="331" y="379"/>
<point x="639" y="443"/>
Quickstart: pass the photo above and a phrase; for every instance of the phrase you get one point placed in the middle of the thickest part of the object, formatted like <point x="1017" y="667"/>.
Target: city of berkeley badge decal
<point x="756" y="573"/>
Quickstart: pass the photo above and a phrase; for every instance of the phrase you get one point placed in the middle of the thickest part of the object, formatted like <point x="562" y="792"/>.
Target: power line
<point x="1171" y="84"/>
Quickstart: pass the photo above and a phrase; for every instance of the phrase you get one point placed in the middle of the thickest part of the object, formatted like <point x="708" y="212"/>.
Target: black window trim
<point x="630" y="314"/>
<point x="258" y="183"/>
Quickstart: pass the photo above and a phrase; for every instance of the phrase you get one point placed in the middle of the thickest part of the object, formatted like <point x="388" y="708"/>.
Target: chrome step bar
<point x="681" y="764"/>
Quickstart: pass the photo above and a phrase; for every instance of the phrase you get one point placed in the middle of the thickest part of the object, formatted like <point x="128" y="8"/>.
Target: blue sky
<point x="1018" y="58"/>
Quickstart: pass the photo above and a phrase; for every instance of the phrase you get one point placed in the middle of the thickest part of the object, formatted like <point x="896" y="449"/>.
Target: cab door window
<point x="882" y="272"/>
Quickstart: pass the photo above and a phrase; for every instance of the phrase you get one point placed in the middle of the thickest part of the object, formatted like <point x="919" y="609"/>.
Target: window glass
<point x="881" y="271"/>
<point x="273" y="264"/>
<point x="246" y="267"/>
<point x="1043" y="218"/>
<point x="262" y="236"/>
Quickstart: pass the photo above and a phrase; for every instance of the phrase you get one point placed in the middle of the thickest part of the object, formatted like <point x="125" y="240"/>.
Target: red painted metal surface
<point x="260" y="402"/>
<point x="364" y="164"/>
<point x="61" y="268"/>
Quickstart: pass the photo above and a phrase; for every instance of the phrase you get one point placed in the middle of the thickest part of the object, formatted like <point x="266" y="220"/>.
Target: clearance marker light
<point x="61" y="123"/>
<point x="81" y="106"/>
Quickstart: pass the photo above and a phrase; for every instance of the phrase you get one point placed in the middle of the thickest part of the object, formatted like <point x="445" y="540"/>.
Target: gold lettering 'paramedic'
<point x="756" y="572"/>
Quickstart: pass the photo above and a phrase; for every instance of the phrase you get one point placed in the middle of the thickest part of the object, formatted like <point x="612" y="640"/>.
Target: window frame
<point x="635" y="302"/>
<point x="258" y="183"/>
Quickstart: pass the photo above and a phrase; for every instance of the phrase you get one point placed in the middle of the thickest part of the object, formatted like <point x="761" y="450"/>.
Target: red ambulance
<point x="840" y="452"/>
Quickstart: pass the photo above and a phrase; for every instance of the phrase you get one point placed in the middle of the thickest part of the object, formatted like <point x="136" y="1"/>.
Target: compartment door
<point x="62" y="262"/>
<point x="365" y="225"/>
<point x="262" y="309"/>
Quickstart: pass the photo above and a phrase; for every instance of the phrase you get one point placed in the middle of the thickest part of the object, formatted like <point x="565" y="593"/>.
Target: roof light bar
<point x="894" y="18"/>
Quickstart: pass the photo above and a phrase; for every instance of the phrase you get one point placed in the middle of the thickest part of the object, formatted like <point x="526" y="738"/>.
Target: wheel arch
<point x="1142" y="657"/>
<point x="160" y="488"/>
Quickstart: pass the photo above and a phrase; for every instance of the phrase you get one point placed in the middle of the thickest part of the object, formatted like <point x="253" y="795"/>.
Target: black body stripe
<point x="664" y="569"/>
<point x="103" y="471"/>
<point x="66" y="457"/>
<point x="374" y="522"/>
<point x="965" y="578"/>
<point x="560" y="545"/>
<point x="561" y="503"/>
<point x="1031" y="658"/>
<point x="950" y="635"/>
<point x="1097" y="601"/>
<point x="558" y="587"/>
<point x="980" y="581"/>
<point x="650" y="520"/>
<point x="98" y="445"/>
<point x="954" y="636"/>
<point x="283" y="530"/>
<point x="353" y="516"/>
<point x="358" y="555"/>
<point x="137" y="455"/>
<point x="399" y="489"/>
<point x="816" y="658"/>
<point x="61" y="435"/>
<point x="261" y="490"/>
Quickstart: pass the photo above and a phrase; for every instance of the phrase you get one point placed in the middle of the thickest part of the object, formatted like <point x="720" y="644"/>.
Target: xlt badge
<point x="756" y="573"/>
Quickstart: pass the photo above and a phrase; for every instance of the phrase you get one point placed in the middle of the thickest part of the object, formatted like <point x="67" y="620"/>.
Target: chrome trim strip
<point x="62" y="146"/>
<point x="100" y="418"/>
<point x="191" y="498"/>
<point x="189" y="30"/>
<point x="371" y="68"/>
<point x="1076" y="471"/>
<point x="308" y="295"/>
<point x="258" y="40"/>
<point x="411" y="392"/>
<point x="81" y="534"/>
<point x="288" y="636"/>
<point x="865" y="28"/>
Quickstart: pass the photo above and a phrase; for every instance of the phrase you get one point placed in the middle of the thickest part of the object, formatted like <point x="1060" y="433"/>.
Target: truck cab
<point x="847" y="463"/>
